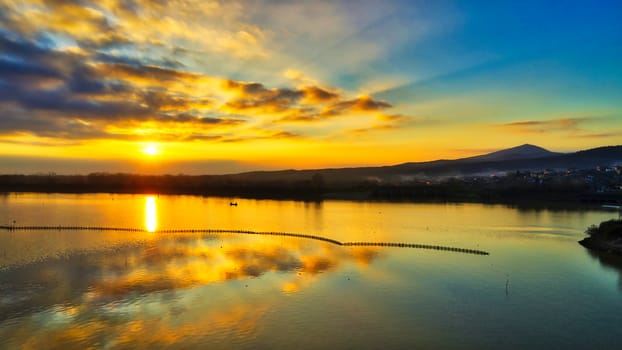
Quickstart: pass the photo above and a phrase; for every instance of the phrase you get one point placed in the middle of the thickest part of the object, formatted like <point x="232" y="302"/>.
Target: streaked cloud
<point x="543" y="126"/>
<point x="208" y="25"/>
<point x="600" y="135"/>
<point x="385" y="122"/>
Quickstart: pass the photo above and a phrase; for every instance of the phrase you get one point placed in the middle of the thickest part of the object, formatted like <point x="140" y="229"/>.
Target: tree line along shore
<point x="515" y="187"/>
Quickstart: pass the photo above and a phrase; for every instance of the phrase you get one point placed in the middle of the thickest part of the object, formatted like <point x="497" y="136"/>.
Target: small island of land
<point x="606" y="237"/>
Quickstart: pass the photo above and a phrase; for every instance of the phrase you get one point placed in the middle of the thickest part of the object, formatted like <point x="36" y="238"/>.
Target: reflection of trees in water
<point x="609" y="261"/>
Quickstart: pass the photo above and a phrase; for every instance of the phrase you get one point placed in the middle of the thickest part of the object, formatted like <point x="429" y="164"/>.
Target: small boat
<point x="233" y="204"/>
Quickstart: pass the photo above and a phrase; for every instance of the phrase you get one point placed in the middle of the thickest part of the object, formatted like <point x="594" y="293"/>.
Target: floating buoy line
<point x="247" y="232"/>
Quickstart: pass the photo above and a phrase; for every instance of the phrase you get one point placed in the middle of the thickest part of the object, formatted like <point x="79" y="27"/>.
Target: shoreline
<point x="605" y="237"/>
<point x="601" y="245"/>
<point x="355" y="196"/>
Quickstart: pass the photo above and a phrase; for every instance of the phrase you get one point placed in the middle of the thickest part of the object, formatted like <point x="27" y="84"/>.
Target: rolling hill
<point x="525" y="157"/>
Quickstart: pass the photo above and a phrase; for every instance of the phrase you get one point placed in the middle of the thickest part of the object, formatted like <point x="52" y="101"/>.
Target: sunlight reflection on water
<point x="151" y="214"/>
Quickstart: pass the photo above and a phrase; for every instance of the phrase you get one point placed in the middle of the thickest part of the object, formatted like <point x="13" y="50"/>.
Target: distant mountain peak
<point x="525" y="151"/>
<point x="527" y="146"/>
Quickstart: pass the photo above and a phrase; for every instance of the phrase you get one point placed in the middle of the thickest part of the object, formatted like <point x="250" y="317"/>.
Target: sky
<point x="184" y="86"/>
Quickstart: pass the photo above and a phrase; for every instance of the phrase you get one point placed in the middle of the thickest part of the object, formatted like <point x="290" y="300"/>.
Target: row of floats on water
<point x="286" y="234"/>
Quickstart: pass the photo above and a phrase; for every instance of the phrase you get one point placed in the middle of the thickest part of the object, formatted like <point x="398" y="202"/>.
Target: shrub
<point x="611" y="229"/>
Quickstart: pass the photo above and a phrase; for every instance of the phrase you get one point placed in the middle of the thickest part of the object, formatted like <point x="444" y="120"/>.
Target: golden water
<point x="76" y="289"/>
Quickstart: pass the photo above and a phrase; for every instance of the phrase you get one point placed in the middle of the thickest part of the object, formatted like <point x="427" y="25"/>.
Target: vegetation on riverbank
<point x="608" y="230"/>
<point x="606" y="237"/>
<point x="508" y="189"/>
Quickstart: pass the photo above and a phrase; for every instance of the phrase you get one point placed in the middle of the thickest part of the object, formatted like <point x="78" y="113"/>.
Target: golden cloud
<point x="314" y="94"/>
<point x="361" y="104"/>
<point x="128" y="99"/>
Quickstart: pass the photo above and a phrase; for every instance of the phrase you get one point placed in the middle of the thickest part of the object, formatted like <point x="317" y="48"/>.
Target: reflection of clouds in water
<point x="175" y="264"/>
<point x="123" y="294"/>
<point x="139" y="327"/>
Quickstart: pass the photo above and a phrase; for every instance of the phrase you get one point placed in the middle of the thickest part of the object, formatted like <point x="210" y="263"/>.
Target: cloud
<point x="262" y="135"/>
<point x="166" y="101"/>
<point x="357" y="105"/>
<point x="394" y="118"/>
<point x="20" y="122"/>
<point x="598" y="135"/>
<point x="61" y="104"/>
<point x="209" y="25"/>
<point x="86" y="93"/>
<point x="543" y="126"/>
<point x="299" y="77"/>
<point x="245" y="88"/>
<point x="67" y="17"/>
<point x="51" y="93"/>
<point x="306" y="104"/>
<point x="144" y="75"/>
<point x="26" y="73"/>
<point x="255" y="98"/>
<point x="332" y="37"/>
<point x="314" y="94"/>
<point x="384" y="122"/>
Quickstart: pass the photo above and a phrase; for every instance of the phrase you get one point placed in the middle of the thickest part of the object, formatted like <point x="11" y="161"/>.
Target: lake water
<point x="538" y="288"/>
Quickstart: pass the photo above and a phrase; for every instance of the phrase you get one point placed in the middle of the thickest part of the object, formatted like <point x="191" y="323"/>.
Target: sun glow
<point x="150" y="149"/>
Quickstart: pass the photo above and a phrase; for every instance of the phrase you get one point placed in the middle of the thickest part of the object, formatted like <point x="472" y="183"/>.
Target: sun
<point x="150" y="149"/>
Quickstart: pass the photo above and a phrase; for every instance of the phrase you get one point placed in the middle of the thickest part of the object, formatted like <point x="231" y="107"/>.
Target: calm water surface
<point x="78" y="289"/>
